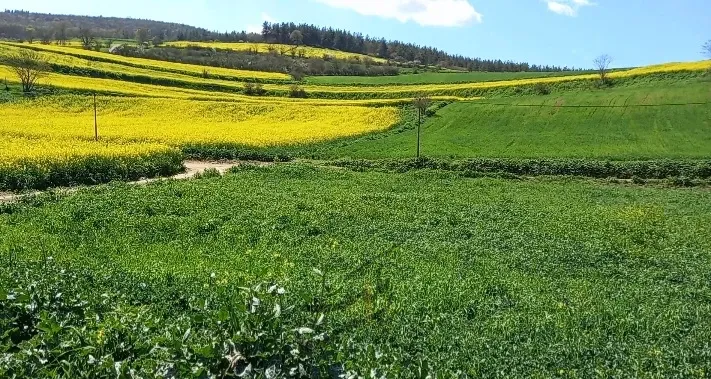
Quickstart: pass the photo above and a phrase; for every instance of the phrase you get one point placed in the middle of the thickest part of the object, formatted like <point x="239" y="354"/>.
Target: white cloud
<point x="423" y="12"/>
<point x="567" y="7"/>
<point x="258" y="28"/>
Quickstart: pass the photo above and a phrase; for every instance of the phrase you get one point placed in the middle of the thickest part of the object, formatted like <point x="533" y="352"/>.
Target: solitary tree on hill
<point x="141" y="36"/>
<point x="297" y="38"/>
<point x="86" y="36"/>
<point x="707" y="49"/>
<point x="30" y="33"/>
<point x="60" y="34"/>
<point x="29" y="67"/>
<point x="602" y="65"/>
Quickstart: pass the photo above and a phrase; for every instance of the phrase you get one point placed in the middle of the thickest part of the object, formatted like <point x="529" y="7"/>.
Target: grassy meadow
<point x="436" y="273"/>
<point x="641" y="122"/>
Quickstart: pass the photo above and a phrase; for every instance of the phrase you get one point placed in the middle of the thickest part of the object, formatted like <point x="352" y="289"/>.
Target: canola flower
<point x="16" y="149"/>
<point x="180" y="122"/>
<point x="302" y="51"/>
<point x="154" y="64"/>
<point x="47" y="162"/>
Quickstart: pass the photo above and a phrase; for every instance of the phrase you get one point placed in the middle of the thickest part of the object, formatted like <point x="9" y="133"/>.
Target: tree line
<point x="401" y="52"/>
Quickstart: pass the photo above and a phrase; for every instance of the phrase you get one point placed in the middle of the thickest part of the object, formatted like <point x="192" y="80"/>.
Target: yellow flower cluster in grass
<point x="181" y="122"/>
<point x="17" y="150"/>
<point x="156" y="65"/>
<point x="302" y="51"/>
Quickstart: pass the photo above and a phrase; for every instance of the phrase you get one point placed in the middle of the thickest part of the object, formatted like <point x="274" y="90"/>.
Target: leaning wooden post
<point x="421" y="102"/>
<point x="419" y="125"/>
<point x="96" y="123"/>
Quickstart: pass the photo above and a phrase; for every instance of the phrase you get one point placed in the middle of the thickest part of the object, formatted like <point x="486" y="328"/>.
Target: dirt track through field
<point x="192" y="168"/>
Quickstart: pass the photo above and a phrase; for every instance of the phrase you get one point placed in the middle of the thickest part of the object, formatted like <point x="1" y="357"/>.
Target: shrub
<point x="297" y="91"/>
<point x="637" y="180"/>
<point x="255" y="89"/>
<point x="208" y="174"/>
<point x="541" y="89"/>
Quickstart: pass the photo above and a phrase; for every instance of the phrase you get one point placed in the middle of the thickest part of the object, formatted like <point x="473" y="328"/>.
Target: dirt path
<point x="192" y="168"/>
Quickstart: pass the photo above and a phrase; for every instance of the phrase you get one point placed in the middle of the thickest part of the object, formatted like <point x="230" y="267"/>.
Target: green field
<point x="488" y="277"/>
<point x="665" y="119"/>
<point x="434" y="78"/>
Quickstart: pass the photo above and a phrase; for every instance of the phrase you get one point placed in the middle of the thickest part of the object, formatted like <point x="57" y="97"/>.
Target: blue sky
<point x="560" y="32"/>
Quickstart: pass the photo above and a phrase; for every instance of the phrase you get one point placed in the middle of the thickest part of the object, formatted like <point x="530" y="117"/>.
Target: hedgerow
<point x="652" y="169"/>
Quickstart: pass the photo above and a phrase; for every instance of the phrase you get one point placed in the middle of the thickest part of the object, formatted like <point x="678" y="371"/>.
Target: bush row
<point x="89" y="170"/>
<point x="228" y="151"/>
<point x="652" y="169"/>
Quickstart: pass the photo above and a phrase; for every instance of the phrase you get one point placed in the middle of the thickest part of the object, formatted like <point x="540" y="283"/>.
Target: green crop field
<point x="665" y="119"/>
<point x="421" y="271"/>
<point x="434" y="78"/>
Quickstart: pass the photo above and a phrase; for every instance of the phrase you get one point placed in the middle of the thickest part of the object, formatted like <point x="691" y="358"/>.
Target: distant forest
<point x="21" y="25"/>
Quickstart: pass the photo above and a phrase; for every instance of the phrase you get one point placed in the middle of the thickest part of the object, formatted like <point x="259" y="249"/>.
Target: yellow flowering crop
<point x="157" y="65"/>
<point x="305" y="51"/>
<point x="49" y="162"/>
<point x="16" y="150"/>
<point x="181" y="122"/>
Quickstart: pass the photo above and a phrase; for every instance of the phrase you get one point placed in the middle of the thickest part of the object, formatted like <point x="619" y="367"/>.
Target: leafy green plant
<point x="208" y="174"/>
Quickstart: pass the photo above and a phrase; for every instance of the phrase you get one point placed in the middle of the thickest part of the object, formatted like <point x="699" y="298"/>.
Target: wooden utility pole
<point x="96" y="123"/>
<point x="422" y="102"/>
<point x="419" y="125"/>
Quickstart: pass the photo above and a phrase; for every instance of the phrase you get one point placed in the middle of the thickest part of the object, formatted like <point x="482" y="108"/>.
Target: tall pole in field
<point x="419" y="125"/>
<point x="96" y="123"/>
<point x="421" y="103"/>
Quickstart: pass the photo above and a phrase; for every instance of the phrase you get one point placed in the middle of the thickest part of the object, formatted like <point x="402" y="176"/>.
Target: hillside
<point x="14" y="24"/>
<point x="216" y="208"/>
<point x="20" y="25"/>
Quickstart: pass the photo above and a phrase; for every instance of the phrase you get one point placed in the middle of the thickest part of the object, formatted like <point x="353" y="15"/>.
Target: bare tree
<point x="29" y="67"/>
<point x="86" y="36"/>
<point x="707" y="49"/>
<point x="61" y="34"/>
<point x="602" y="65"/>
<point x="142" y="36"/>
<point x="421" y="103"/>
<point x="30" y="33"/>
<point x="45" y="36"/>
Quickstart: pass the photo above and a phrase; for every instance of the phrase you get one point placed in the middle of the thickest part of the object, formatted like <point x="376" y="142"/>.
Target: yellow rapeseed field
<point x="119" y="87"/>
<point x="180" y="122"/>
<point x="16" y="150"/>
<point x="305" y="51"/>
<point x="154" y="64"/>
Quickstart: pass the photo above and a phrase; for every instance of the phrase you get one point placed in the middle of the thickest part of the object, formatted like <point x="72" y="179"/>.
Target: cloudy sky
<point x="560" y="32"/>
